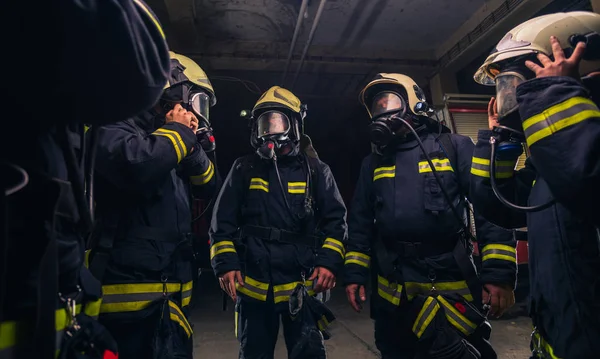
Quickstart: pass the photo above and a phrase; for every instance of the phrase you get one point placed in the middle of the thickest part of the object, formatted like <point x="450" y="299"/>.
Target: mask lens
<point x="386" y="102"/>
<point x="200" y="104"/>
<point x="506" y="92"/>
<point x="273" y="123"/>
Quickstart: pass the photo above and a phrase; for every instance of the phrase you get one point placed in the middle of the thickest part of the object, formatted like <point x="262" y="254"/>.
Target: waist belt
<point x="154" y="233"/>
<point x="419" y="249"/>
<point x="270" y="234"/>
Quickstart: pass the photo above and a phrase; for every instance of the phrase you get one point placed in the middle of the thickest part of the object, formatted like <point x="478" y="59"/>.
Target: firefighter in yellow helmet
<point x="408" y="214"/>
<point x="279" y="221"/>
<point x="147" y="167"/>
<point x="546" y="75"/>
<point x="48" y="300"/>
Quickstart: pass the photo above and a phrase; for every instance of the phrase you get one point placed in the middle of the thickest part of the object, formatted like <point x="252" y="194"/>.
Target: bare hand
<point x="326" y="279"/>
<point x="500" y="297"/>
<point x="194" y="123"/>
<point x="356" y="300"/>
<point x="180" y="115"/>
<point x="493" y="114"/>
<point x="561" y="66"/>
<point x="228" y="280"/>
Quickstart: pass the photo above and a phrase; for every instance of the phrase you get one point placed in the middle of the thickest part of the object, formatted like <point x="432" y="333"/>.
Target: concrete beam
<point x="441" y="84"/>
<point x="488" y="39"/>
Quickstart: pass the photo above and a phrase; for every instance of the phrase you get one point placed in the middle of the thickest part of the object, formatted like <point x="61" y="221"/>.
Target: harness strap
<point x="270" y="234"/>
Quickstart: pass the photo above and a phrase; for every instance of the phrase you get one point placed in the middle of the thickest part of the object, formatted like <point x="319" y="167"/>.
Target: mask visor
<point x="506" y="92"/>
<point x="387" y="102"/>
<point x="199" y="102"/>
<point x="273" y="123"/>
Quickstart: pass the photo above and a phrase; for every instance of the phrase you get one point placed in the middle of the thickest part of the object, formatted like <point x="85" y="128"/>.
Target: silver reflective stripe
<point x="136" y="297"/>
<point x="357" y="258"/>
<point x="461" y="323"/>
<point x="425" y="316"/>
<point x="552" y="119"/>
<point x="59" y="339"/>
<point x="499" y="251"/>
<point x="479" y="166"/>
<point x="186" y="294"/>
<point x="335" y="244"/>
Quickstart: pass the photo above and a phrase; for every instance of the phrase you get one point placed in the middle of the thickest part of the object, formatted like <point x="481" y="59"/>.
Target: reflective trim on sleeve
<point x="383" y="172"/>
<point x="222" y="247"/>
<point x="175" y="139"/>
<point x="460" y="287"/>
<point x="391" y="292"/>
<point x="253" y="289"/>
<point x="176" y="315"/>
<point x="559" y="117"/>
<point x="282" y="292"/>
<point x="358" y="258"/>
<point x="259" y="184"/>
<point x="481" y="167"/>
<point x="205" y="177"/>
<point x="455" y="318"/>
<point x="426" y="315"/>
<point x="186" y="293"/>
<point x="499" y="251"/>
<point x="335" y="245"/>
<point x="441" y="165"/>
<point x="297" y="187"/>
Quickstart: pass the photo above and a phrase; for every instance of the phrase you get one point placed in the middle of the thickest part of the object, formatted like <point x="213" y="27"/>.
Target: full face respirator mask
<point x="273" y="134"/>
<point x="198" y="102"/>
<point x="386" y="109"/>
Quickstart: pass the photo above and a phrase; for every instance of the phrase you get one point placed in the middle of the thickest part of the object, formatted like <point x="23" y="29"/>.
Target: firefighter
<point x="147" y="167"/>
<point x="291" y="221"/>
<point x="47" y="298"/>
<point x="409" y="218"/>
<point x="541" y="101"/>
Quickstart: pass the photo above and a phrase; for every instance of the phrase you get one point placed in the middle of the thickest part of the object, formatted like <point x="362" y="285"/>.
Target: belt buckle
<point x="275" y="235"/>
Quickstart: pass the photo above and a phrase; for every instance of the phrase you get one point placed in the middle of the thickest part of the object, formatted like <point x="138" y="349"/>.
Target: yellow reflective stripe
<point x="358" y="258"/>
<point x="334" y="245"/>
<point x="282" y="292"/>
<point x="441" y="164"/>
<point x="86" y="258"/>
<point x="323" y="323"/>
<point x="134" y="297"/>
<point x="141" y="288"/>
<point x="176" y="315"/>
<point x="499" y="251"/>
<point x="205" y="177"/>
<point x="173" y="141"/>
<point x="459" y="321"/>
<point x="151" y="16"/>
<point x="481" y="167"/>
<point x="93" y="308"/>
<point x="253" y="288"/>
<point x="184" y="149"/>
<point x="10" y="334"/>
<point x="186" y="293"/>
<point x="426" y="315"/>
<point x="187" y="286"/>
<point x="558" y="117"/>
<point x="460" y="287"/>
<point x="222" y="247"/>
<point x="259" y="184"/>
<point x="125" y="306"/>
<point x="297" y="187"/>
<point x="383" y="172"/>
<point x="533" y="183"/>
<point x="543" y="346"/>
<point x="235" y="324"/>
<point x="389" y="291"/>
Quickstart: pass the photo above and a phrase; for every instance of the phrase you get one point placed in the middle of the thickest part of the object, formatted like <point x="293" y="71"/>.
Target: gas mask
<point x="196" y="101"/>
<point x="273" y="135"/>
<point x="386" y="108"/>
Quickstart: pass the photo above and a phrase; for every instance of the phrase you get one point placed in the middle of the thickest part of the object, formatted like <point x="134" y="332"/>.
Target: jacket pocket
<point x="433" y="198"/>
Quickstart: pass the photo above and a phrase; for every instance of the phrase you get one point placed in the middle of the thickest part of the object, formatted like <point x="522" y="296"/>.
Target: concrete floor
<point x="352" y="333"/>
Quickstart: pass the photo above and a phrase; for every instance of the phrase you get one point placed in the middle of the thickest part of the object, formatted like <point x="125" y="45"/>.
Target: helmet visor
<point x="273" y="123"/>
<point x="506" y="92"/>
<point x="199" y="102"/>
<point x="386" y="102"/>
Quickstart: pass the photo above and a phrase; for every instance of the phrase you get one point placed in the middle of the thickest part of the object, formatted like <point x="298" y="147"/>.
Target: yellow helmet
<point x="190" y="72"/>
<point x="385" y="81"/>
<point x="278" y="97"/>
<point x="533" y="37"/>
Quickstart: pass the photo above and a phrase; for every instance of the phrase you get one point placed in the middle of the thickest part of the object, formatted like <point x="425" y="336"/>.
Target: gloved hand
<point x="353" y="298"/>
<point x="500" y="297"/>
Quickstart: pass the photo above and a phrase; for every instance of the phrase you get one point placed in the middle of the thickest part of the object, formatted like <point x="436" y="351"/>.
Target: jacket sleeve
<point x="360" y="229"/>
<point x="133" y="161"/>
<point x="225" y="222"/>
<point x="201" y="172"/>
<point x="562" y="127"/>
<point x="497" y="245"/>
<point x="515" y="186"/>
<point x="332" y="219"/>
